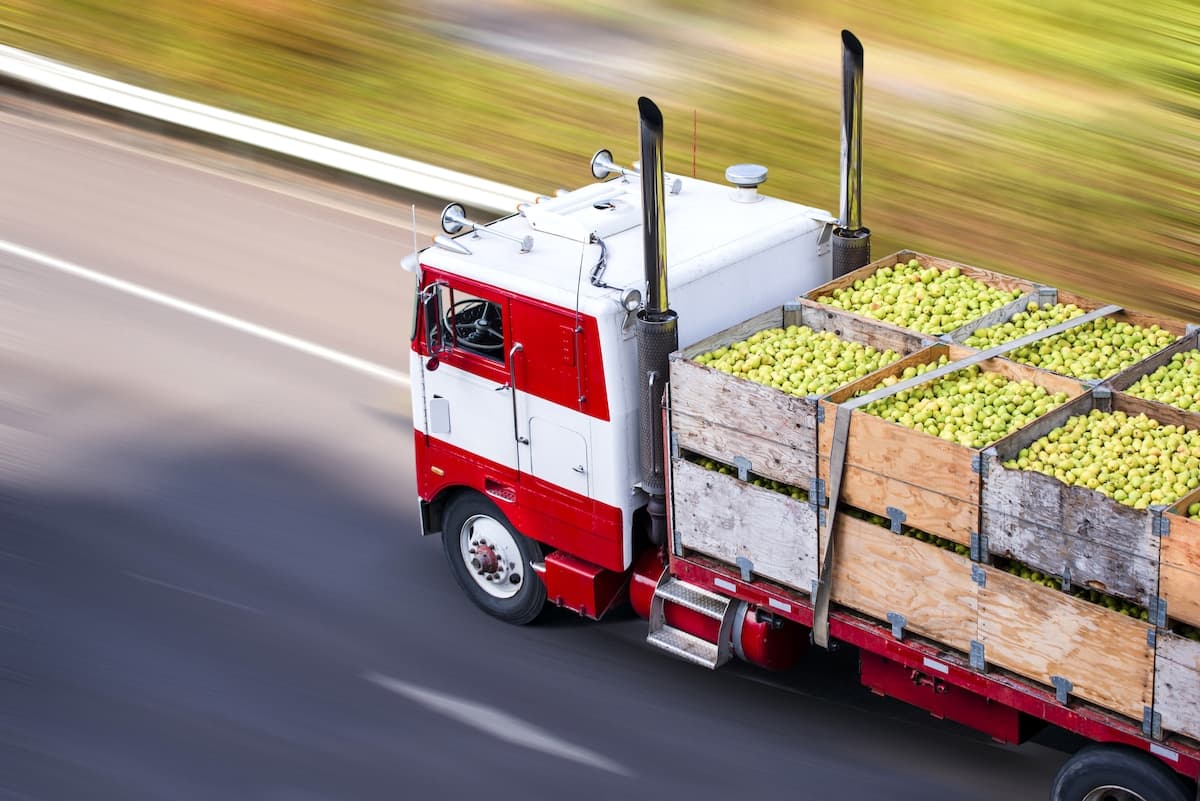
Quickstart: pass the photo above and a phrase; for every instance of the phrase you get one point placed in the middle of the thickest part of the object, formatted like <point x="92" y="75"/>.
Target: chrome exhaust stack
<point x="657" y="324"/>
<point x="851" y="241"/>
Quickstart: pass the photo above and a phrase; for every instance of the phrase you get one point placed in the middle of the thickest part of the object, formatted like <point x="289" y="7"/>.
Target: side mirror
<point x="436" y="332"/>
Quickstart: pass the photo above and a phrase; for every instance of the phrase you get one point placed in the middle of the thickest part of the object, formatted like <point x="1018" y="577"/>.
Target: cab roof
<point x="709" y="227"/>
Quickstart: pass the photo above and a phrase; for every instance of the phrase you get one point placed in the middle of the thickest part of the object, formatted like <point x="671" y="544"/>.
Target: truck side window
<point x="477" y="325"/>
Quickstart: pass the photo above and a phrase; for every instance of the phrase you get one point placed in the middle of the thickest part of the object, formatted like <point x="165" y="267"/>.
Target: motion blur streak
<point x="497" y="723"/>
<point x="245" y="327"/>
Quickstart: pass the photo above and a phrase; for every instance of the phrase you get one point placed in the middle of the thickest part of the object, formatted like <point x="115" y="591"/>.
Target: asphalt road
<point x="211" y="580"/>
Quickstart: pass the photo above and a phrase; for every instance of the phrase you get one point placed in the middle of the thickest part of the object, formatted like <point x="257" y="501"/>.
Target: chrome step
<point x="686" y="646"/>
<point x="695" y="598"/>
<point x="683" y="644"/>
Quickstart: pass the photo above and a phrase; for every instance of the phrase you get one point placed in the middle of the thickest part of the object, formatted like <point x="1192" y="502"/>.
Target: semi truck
<point x="578" y="444"/>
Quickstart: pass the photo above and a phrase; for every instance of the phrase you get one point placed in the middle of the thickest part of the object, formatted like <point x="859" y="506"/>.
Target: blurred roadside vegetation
<point x="1057" y="141"/>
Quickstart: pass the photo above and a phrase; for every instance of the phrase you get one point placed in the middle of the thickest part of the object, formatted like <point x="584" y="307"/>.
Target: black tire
<point x="473" y="514"/>
<point x="1135" y="773"/>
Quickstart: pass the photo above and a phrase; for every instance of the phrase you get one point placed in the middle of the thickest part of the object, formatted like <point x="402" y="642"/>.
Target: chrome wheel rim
<point x="491" y="556"/>
<point x="1112" y="792"/>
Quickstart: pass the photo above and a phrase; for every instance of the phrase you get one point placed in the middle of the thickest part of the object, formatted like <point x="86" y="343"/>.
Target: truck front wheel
<point x="1102" y="772"/>
<point x="491" y="560"/>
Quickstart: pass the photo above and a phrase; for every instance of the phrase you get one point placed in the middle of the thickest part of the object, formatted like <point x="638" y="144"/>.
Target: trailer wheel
<point x="491" y="560"/>
<point x="1102" y="772"/>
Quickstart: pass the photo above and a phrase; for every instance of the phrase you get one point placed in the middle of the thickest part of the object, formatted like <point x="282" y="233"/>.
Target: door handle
<point x="579" y="469"/>
<point x="512" y="384"/>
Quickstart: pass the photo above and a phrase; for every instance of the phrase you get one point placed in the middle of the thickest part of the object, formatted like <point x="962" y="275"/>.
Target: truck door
<point x="549" y="386"/>
<point x="466" y="371"/>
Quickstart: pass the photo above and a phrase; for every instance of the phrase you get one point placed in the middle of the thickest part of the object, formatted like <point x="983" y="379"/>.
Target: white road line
<point x="163" y="299"/>
<point x="499" y="724"/>
<point x="195" y="593"/>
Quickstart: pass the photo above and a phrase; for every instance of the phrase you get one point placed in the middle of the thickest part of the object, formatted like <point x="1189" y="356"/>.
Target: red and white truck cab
<point x="524" y="366"/>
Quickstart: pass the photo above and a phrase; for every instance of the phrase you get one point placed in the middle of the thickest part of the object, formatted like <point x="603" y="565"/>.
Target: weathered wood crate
<point x="772" y="535"/>
<point x="1029" y="290"/>
<point x="724" y="416"/>
<point x="1179" y="562"/>
<point x="885" y="575"/>
<point x="1177" y="684"/>
<point x="1074" y="532"/>
<point x="932" y="483"/>
<point x="1087" y="650"/>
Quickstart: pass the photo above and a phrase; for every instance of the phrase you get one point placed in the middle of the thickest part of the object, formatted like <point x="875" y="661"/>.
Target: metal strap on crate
<point x="841" y="431"/>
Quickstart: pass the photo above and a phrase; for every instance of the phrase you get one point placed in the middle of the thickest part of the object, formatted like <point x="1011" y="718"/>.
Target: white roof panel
<point x="707" y="230"/>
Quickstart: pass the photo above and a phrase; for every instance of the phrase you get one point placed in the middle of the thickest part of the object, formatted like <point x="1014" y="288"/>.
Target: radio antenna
<point x="693" y="143"/>
<point x="414" y="227"/>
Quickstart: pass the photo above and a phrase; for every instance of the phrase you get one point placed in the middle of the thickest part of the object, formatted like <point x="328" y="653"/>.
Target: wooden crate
<point x="1041" y="633"/>
<point x="1177" y="684"/>
<point x="930" y="480"/>
<point x="723" y="416"/>
<point x="728" y="519"/>
<point x="878" y="573"/>
<point x="1179" y="563"/>
<point x="993" y="279"/>
<point x="1072" y="531"/>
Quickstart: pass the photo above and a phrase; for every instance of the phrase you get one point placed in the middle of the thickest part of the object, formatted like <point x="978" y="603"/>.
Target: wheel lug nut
<point x="475" y="563"/>
<point x="470" y="550"/>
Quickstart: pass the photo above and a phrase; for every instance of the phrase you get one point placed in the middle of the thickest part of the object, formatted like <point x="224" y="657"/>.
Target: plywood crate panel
<point x="1041" y="633"/>
<point x="993" y="279"/>
<point x="1179" y="563"/>
<point x="889" y="466"/>
<point x="724" y="416"/>
<point x="1177" y="684"/>
<point x="1073" y="531"/>
<point x="726" y="518"/>
<point x="876" y="572"/>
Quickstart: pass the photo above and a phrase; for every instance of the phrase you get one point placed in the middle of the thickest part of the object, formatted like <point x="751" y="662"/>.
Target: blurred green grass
<point x="1055" y="141"/>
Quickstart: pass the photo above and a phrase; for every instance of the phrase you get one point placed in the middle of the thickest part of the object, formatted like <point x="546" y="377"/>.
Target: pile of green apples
<point x="971" y="407"/>
<point x="793" y="492"/>
<point x="798" y="360"/>
<point x="1093" y="351"/>
<point x="908" y="531"/>
<point x="1034" y="318"/>
<point x="922" y="299"/>
<point x="1136" y="461"/>
<point x="1112" y="602"/>
<point x="1177" y="382"/>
